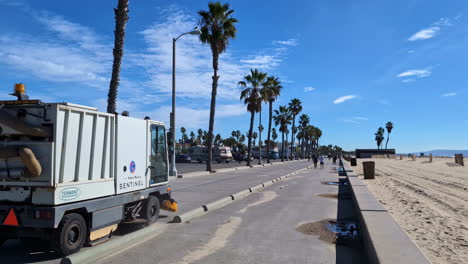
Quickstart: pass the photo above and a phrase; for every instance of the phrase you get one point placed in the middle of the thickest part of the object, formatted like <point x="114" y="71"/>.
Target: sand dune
<point x="429" y="200"/>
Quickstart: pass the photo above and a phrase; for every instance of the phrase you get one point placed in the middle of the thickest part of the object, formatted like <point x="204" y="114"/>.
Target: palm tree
<point x="254" y="137"/>
<point x="184" y="136"/>
<point x="121" y="18"/>
<point x="379" y="136"/>
<point x="282" y="119"/>
<point x="192" y="138"/>
<point x="217" y="139"/>
<point x="304" y="121"/>
<point x="253" y="99"/>
<point x="274" y="135"/>
<point x="389" y="127"/>
<point x="295" y="107"/>
<point x="217" y="28"/>
<point x="270" y="92"/>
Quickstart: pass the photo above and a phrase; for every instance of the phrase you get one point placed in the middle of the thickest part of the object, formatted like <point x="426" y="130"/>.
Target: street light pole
<point x="173" y="169"/>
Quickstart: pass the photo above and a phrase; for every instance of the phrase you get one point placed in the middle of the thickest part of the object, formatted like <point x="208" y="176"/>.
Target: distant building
<point x="367" y="153"/>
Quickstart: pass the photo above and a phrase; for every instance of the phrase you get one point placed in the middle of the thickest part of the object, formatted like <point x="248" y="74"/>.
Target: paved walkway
<point x="258" y="229"/>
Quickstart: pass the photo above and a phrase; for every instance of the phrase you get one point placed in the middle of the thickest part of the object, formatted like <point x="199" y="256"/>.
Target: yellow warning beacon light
<point x="20" y="88"/>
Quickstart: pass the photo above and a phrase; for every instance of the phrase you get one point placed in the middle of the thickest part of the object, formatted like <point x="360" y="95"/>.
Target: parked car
<point x="183" y="158"/>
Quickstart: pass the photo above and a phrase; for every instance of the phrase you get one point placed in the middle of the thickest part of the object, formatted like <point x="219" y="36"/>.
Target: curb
<point x="205" y="173"/>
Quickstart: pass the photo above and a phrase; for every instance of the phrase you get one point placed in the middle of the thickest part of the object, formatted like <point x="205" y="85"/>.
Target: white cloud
<point x="77" y="56"/>
<point x="408" y="80"/>
<point x="262" y="61"/>
<point x="360" y="118"/>
<point x="355" y="120"/>
<point x="431" y="31"/>
<point x="289" y="42"/>
<point x="426" y="33"/>
<point x="343" y="99"/>
<point x="309" y="89"/>
<point x="449" y="94"/>
<point x="415" y="73"/>
<point x="351" y="121"/>
<point x="193" y="60"/>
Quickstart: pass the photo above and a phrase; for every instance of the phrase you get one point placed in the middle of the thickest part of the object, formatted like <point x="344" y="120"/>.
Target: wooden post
<point x="401" y="157"/>
<point x="413" y="157"/>
<point x="369" y="169"/>
<point x="459" y="159"/>
<point x="430" y="158"/>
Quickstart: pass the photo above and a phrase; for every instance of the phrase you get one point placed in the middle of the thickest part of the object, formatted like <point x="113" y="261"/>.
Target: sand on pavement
<point x="429" y="200"/>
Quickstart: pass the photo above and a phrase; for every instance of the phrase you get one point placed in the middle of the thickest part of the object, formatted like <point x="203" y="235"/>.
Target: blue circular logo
<point x="132" y="167"/>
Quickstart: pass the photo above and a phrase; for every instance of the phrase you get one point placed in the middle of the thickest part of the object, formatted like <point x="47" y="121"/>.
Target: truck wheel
<point x="70" y="235"/>
<point x="151" y="210"/>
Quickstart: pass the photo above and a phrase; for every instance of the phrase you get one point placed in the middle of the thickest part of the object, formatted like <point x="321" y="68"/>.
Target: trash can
<point x="369" y="169"/>
<point x="353" y="162"/>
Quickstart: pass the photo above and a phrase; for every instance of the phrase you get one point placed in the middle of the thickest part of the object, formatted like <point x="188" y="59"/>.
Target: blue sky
<point x="354" y="64"/>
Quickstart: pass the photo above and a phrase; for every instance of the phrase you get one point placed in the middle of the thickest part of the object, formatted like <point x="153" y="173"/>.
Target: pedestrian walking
<point x="334" y="159"/>
<point x="315" y="159"/>
<point x="321" y="162"/>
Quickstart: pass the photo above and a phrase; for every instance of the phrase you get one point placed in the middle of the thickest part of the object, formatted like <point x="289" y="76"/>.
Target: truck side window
<point x="158" y="158"/>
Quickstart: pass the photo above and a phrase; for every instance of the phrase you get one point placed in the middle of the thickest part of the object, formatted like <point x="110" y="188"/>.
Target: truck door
<point x="157" y="159"/>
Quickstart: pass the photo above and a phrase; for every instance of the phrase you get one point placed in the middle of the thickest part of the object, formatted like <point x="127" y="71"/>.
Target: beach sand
<point x="428" y="200"/>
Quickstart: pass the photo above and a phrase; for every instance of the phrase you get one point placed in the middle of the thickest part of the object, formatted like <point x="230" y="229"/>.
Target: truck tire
<point x="70" y="235"/>
<point x="151" y="210"/>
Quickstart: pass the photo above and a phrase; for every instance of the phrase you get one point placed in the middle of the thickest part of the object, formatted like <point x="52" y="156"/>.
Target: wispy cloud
<point x="355" y="120"/>
<point x="361" y="118"/>
<point x="309" y="89"/>
<point x="449" y="94"/>
<point x="408" y="80"/>
<point x="344" y="98"/>
<point x="415" y="73"/>
<point x="76" y="54"/>
<point x="194" y="62"/>
<point x="426" y="33"/>
<point x="431" y="31"/>
<point x="289" y="42"/>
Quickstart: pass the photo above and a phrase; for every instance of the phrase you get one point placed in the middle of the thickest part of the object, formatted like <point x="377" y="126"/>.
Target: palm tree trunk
<point x="121" y="18"/>
<point x="260" y="139"/>
<point x="386" y="143"/>
<point x="269" y="130"/>
<point x="283" y="148"/>
<point x="249" y="148"/>
<point x="292" y="136"/>
<point x="214" y="89"/>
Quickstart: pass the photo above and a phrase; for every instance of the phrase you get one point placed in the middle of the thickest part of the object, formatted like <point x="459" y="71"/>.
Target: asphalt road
<point x="257" y="229"/>
<point x="195" y="166"/>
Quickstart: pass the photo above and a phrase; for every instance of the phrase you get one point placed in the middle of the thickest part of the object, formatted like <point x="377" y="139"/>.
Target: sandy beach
<point x="429" y="200"/>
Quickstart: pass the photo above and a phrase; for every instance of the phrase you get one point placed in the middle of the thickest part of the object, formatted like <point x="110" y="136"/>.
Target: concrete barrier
<point x="241" y="194"/>
<point x="218" y="203"/>
<point x="188" y="215"/>
<point x="384" y="240"/>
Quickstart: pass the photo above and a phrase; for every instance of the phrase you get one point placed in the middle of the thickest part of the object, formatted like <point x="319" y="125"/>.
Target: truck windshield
<point x="158" y="157"/>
